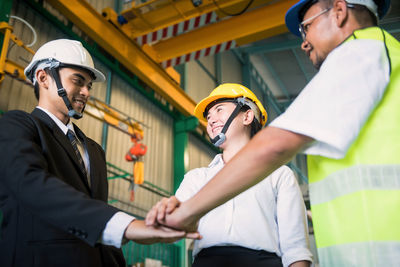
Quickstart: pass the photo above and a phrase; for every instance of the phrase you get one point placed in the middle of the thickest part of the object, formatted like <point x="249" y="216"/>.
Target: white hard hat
<point x="370" y="4"/>
<point x="69" y="52"/>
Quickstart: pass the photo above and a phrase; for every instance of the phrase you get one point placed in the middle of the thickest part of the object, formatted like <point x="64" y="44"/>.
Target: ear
<point x="248" y="117"/>
<point x="341" y="12"/>
<point x="43" y="79"/>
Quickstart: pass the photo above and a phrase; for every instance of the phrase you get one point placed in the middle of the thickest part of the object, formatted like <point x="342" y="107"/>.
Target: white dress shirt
<point x="114" y="231"/>
<point x="336" y="103"/>
<point x="269" y="216"/>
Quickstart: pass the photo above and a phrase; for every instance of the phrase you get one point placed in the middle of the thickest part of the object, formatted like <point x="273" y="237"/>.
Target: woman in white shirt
<point x="263" y="226"/>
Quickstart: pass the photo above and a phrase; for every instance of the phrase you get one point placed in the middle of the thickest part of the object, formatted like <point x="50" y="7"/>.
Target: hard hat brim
<point x="202" y="105"/>
<point x="99" y="76"/>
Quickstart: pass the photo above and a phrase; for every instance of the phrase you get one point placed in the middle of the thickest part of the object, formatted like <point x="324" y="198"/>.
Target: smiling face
<point x="218" y="115"/>
<point x="77" y="83"/>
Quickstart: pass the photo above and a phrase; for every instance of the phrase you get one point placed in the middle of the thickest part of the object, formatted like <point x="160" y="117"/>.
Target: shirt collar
<point x="216" y="161"/>
<point x="64" y="128"/>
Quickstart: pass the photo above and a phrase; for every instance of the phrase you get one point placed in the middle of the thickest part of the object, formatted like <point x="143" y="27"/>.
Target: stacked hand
<point x="161" y="224"/>
<point x="141" y="233"/>
<point x="172" y="213"/>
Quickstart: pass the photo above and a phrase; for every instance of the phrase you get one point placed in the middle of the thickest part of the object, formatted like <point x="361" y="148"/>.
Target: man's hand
<point x="138" y="232"/>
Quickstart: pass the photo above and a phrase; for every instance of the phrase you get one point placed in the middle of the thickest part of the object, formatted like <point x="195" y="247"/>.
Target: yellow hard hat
<point x="231" y="91"/>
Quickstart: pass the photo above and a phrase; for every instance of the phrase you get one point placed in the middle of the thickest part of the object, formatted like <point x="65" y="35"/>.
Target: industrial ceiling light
<point x="196" y="3"/>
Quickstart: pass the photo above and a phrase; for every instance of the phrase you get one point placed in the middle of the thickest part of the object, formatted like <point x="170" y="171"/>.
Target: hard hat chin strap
<point x="54" y="68"/>
<point x="221" y="137"/>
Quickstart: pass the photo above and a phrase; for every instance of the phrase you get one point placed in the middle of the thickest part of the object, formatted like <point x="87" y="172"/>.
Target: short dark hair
<point x="255" y="125"/>
<point x="36" y="90"/>
<point x="36" y="85"/>
<point x="364" y="16"/>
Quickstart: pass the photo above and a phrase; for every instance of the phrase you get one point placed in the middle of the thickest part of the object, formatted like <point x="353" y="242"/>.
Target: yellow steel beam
<point x="238" y="7"/>
<point x="8" y="66"/>
<point x="15" y="70"/>
<point x="261" y="35"/>
<point x="7" y="29"/>
<point x="125" y="51"/>
<point x="167" y="13"/>
<point x="268" y="19"/>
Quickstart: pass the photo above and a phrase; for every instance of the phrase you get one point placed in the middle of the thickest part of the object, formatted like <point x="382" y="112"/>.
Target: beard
<point x="318" y="62"/>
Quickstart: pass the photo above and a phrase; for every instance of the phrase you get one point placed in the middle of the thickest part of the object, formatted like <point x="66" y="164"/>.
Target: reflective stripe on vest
<point x="355" y="201"/>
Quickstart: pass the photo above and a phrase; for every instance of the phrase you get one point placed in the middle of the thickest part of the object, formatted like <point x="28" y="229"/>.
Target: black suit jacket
<point x="51" y="217"/>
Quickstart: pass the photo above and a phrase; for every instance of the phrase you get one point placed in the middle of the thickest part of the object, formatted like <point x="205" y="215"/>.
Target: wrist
<point x="192" y="210"/>
<point x="189" y="211"/>
<point x="131" y="231"/>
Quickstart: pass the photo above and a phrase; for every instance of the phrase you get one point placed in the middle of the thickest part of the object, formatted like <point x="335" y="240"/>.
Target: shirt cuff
<point x="115" y="228"/>
<point x="296" y="254"/>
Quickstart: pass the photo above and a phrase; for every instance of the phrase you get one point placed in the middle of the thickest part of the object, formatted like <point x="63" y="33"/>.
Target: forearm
<point x="268" y="150"/>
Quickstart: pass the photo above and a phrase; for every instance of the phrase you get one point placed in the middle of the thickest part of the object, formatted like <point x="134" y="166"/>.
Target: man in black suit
<point x="53" y="183"/>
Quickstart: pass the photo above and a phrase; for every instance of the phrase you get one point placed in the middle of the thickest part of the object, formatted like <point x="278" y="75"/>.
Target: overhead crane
<point x="158" y="14"/>
<point x="145" y="65"/>
<point x="268" y="20"/>
<point x="125" y="51"/>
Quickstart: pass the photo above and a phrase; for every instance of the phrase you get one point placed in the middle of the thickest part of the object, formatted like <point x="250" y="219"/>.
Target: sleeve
<point x="24" y="176"/>
<point x="113" y="233"/>
<point x="292" y="219"/>
<point x="336" y="103"/>
<point x="189" y="186"/>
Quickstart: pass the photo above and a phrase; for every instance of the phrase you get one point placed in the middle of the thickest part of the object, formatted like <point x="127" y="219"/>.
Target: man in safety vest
<point x="347" y="120"/>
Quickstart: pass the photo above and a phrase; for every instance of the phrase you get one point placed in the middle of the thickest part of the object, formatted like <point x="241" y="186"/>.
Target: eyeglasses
<point x="303" y="28"/>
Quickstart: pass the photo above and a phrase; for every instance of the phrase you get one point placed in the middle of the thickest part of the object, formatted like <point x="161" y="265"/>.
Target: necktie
<point x="73" y="140"/>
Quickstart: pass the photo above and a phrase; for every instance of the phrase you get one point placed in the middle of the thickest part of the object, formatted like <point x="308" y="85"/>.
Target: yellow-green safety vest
<point x="355" y="201"/>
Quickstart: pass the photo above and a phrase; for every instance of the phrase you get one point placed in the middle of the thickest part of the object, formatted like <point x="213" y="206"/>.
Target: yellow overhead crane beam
<point x="84" y="16"/>
<point x="268" y="20"/>
<point x="155" y="15"/>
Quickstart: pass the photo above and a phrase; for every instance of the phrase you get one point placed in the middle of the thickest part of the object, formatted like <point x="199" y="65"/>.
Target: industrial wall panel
<point x="199" y="154"/>
<point x="230" y="68"/>
<point x="15" y="94"/>
<point x="158" y="136"/>
<point x="198" y="83"/>
<point x="260" y="95"/>
<point x="266" y="75"/>
<point x="209" y="63"/>
<point x="263" y="97"/>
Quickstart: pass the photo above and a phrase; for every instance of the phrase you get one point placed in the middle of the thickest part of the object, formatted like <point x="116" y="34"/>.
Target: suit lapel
<point x="62" y="139"/>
